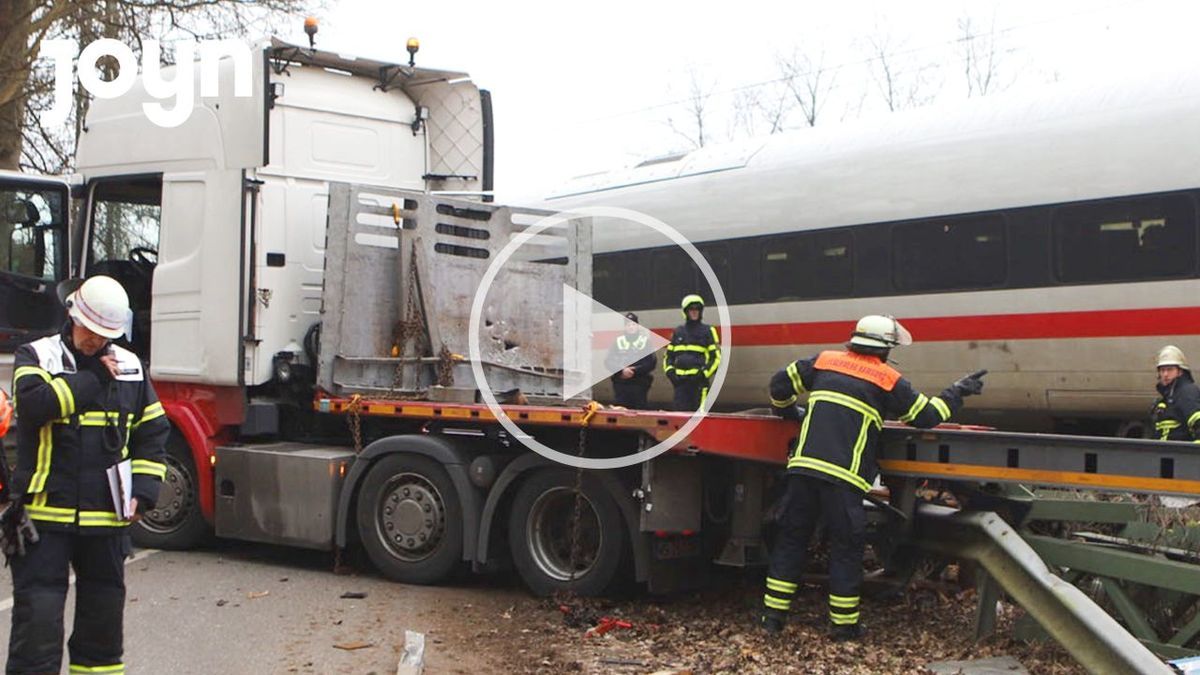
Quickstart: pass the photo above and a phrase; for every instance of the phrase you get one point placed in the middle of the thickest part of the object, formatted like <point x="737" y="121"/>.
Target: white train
<point x="1048" y="237"/>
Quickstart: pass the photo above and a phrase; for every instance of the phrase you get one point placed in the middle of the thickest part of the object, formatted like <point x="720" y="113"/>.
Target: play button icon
<point x="589" y="331"/>
<point x="591" y="328"/>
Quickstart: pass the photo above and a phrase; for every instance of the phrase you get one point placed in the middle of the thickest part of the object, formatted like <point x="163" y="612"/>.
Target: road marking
<point x="7" y="603"/>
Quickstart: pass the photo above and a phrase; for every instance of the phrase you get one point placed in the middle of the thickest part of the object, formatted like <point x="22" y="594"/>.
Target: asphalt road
<point x="246" y="608"/>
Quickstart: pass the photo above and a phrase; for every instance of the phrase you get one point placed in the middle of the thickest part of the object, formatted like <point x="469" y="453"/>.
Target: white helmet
<point x="101" y="305"/>
<point x="1172" y="356"/>
<point x="880" y="331"/>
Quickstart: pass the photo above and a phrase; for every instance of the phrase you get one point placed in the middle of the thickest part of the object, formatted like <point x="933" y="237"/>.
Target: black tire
<point x="410" y="519"/>
<point x="176" y="523"/>
<point x="539" y="534"/>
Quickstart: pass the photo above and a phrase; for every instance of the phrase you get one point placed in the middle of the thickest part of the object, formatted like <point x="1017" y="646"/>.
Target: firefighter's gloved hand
<point x="971" y="385"/>
<point x="16" y="531"/>
<point x="793" y="413"/>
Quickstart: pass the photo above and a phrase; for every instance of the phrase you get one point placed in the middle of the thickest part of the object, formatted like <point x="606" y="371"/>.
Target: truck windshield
<point x="33" y="258"/>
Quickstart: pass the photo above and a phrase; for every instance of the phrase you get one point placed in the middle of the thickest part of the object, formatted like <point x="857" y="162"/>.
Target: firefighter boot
<point x="848" y="632"/>
<point x="772" y="621"/>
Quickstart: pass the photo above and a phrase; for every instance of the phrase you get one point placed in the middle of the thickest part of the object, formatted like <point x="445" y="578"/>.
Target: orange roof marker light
<point x="413" y="46"/>
<point x="310" y="29"/>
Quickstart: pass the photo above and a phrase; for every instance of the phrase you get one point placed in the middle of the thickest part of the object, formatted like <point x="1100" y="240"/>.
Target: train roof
<point x="1048" y="145"/>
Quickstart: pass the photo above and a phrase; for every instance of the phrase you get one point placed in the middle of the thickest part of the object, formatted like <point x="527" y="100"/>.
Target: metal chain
<point x="577" y="516"/>
<point x="445" y="367"/>
<point x="354" y="410"/>
<point x="410" y="326"/>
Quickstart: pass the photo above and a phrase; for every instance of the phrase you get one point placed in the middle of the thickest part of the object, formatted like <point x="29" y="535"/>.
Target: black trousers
<point x="840" y="506"/>
<point x="690" y="394"/>
<point x="632" y="395"/>
<point x="40" y="592"/>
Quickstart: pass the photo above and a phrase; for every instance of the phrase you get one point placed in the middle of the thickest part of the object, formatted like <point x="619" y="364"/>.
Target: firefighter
<point x="631" y="382"/>
<point x="849" y="394"/>
<point x="1177" y="413"/>
<point x="693" y="356"/>
<point x="84" y="405"/>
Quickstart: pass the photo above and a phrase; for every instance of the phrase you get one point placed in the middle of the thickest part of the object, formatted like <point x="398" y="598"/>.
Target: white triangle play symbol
<point x="584" y="355"/>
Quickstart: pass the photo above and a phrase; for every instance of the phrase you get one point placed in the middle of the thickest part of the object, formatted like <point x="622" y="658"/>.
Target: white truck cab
<point x="217" y="227"/>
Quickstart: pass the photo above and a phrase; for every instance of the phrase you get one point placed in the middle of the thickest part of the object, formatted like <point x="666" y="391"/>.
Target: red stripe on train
<point x="1045" y="325"/>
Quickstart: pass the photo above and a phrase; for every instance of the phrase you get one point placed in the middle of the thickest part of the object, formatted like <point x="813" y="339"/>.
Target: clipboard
<point x="120" y="487"/>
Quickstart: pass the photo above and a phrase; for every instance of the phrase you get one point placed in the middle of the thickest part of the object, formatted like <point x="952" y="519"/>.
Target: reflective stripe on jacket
<point x="849" y="396"/>
<point x="623" y="351"/>
<point x="1177" y="414"/>
<point x="695" y="351"/>
<point x="73" y="427"/>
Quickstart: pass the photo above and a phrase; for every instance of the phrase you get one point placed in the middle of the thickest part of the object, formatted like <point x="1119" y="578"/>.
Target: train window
<point x="949" y="254"/>
<point x="810" y="265"/>
<point x="717" y="255"/>
<point x="674" y="276"/>
<point x="1144" y="238"/>
<point x="607" y="280"/>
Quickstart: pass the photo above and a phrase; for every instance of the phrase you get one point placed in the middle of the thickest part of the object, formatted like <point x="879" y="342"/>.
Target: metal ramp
<point x="401" y="271"/>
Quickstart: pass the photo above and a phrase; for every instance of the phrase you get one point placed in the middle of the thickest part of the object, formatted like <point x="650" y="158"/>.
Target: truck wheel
<point x="410" y="519"/>
<point x="539" y="534"/>
<point x="176" y="521"/>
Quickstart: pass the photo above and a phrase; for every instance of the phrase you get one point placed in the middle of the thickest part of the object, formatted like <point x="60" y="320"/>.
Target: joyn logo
<point x="181" y="88"/>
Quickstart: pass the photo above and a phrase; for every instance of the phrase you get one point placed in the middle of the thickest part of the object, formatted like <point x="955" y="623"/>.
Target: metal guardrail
<point x="1128" y="465"/>
<point x="1083" y="628"/>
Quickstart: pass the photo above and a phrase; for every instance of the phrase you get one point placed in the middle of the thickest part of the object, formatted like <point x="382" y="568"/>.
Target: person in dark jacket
<point x="693" y="356"/>
<point x="1177" y="412"/>
<point x="849" y="395"/>
<point x="84" y="405"/>
<point x="632" y="376"/>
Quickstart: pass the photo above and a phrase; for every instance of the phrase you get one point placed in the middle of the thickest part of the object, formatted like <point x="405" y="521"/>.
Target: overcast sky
<point x="584" y="87"/>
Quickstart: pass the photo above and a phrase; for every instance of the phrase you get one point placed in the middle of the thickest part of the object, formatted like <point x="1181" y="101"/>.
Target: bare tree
<point x="981" y="57"/>
<point x="902" y="79"/>
<point x="746" y="106"/>
<point x="25" y="86"/>
<point x="808" y="80"/>
<point x="775" y="103"/>
<point x="693" y="123"/>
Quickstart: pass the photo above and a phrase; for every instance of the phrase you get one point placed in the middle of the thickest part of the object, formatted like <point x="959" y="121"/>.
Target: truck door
<point x="33" y="259"/>
<point x="124" y="218"/>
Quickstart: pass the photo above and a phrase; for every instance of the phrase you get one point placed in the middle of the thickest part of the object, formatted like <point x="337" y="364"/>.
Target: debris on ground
<point x="353" y="595"/>
<point x="714" y="631"/>
<point x="254" y="595"/>
<point x="352" y="646"/>
<point x="412" y="661"/>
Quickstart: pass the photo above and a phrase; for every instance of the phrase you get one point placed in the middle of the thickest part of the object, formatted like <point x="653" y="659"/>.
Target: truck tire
<point x="176" y="522"/>
<point x="539" y="534"/>
<point x="410" y="519"/>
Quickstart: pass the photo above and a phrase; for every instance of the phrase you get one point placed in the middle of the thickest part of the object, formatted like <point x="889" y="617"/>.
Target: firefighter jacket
<point x="1177" y="413"/>
<point x="694" y="352"/>
<point x="849" y="395"/>
<point x="622" y="351"/>
<point x="75" y="421"/>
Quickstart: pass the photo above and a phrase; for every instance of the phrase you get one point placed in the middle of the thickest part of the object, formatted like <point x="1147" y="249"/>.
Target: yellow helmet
<point x="688" y="301"/>
<point x="1172" y="356"/>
